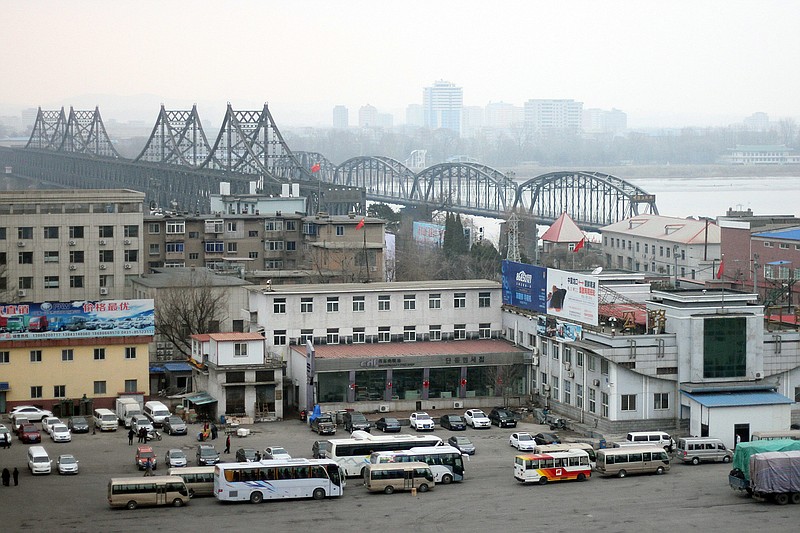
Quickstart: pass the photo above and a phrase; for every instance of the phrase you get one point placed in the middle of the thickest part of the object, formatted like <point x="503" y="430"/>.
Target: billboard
<point x="558" y="330"/>
<point x="57" y="320"/>
<point x="524" y="286"/>
<point x="428" y="234"/>
<point x="573" y="297"/>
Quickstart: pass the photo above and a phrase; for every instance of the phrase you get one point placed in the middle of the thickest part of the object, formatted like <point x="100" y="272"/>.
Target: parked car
<point x="522" y="441"/>
<point x="245" y="455"/>
<point x="60" y="433"/>
<point x="141" y="421"/>
<point x="175" y="457"/>
<point x="421" y="421"/>
<point x="462" y="443"/>
<point x="173" y="425"/>
<point x="67" y="464"/>
<point x="453" y="422"/>
<point x="49" y="422"/>
<point x="17" y="423"/>
<point x="388" y="424"/>
<point x="354" y="420"/>
<point x="29" y="434"/>
<point x="323" y="425"/>
<point x="30" y="412"/>
<point x="276" y="452"/>
<point x="546" y="438"/>
<point x="207" y="455"/>
<point x="145" y="454"/>
<point x="78" y="424"/>
<point x="477" y="419"/>
<point x="503" y="418"/>
<point x="5" y="435"/>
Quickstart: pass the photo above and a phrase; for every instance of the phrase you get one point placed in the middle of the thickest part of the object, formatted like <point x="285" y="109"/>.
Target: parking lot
<point x="688" y="496"/>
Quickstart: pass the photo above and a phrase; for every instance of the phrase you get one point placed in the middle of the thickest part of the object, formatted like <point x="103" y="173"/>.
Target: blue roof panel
<point x="792" y="234"/>
<point x="178" y="367"/>
<point x="738" y="399"/>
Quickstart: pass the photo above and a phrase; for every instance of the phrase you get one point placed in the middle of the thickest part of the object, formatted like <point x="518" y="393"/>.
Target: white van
<point x="38" y="460"/>
<point x="156" y="412"/>
<point x="659" y="438"/>
<point x="105" y="420"/>
<point x="696" y="449"/>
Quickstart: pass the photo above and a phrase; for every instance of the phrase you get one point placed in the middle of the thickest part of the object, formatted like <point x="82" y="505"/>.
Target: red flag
<point x="360" y="224"/>
<point x="315" y="167"/>
<point x="721" y="269"/>
<point x="579" y="245"/>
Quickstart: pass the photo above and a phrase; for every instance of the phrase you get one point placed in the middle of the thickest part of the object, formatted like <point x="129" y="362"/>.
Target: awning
<point x="738" y="399"/>
<point x="200" y="398"/>
<point x="178" y="367"/>
<point x="157" y="369"/>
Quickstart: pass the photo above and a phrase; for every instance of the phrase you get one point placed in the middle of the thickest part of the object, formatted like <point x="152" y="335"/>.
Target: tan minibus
<point x="390" y="477"/>
<point x="645" y="459"/>
<point x="199" y="479"/>
<point x="133" y="492"/>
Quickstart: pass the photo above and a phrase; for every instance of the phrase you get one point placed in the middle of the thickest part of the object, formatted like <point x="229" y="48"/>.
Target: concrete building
<point x="666" y="246"/>
<point x="762" y="155"/>
<point x="442" y="103"/>
<point x="239" y="376"/>
<point x="341" y="118"/>
<point x="69" y="245"/>
<point x="542" y="115"/>
<point x="368" y="117"/>
<point x="603" y="121"/>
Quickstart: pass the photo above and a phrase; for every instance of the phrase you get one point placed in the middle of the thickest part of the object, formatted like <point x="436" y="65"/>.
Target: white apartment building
<point x="442" y="103"/>
<point x="543" y="115"/>
<point x="69" y="245"/>
<point x="668" y="246"/>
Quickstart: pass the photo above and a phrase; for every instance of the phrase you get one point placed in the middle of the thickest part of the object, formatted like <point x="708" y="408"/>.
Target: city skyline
<point x="671" y="65"/>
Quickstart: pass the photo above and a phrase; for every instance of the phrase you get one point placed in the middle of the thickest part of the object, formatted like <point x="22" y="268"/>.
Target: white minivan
<point x="38" y="460"/>
<point x="659" y="438"/>
<point x="156" y="412"/>
<point x="105" y="420"/>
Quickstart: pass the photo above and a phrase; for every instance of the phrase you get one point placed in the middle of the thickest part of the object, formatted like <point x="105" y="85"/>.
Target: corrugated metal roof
<point x="671" y="229"/>
<point x="178" y="367"/>
<point x="738" y="399"/>
<point x="789" y="234"/>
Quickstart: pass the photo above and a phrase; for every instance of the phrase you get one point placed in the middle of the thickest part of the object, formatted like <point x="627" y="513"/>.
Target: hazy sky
<point x="693" y="62"/>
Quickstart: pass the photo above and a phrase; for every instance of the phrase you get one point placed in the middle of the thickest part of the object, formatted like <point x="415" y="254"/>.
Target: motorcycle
<point x="153" y="435"/>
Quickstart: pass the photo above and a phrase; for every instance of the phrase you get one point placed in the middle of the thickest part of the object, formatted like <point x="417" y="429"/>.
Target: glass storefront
<point x="444" y="382"/>
<point x="407" y="384"/>
<point x="333" y="386"/>
<point x="370" y="385"/>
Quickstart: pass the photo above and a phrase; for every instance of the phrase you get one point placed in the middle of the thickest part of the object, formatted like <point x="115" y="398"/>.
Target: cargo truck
<point x="776" y="476"/>
<point x="127" y="406"/>
<point x="739" y="477"/>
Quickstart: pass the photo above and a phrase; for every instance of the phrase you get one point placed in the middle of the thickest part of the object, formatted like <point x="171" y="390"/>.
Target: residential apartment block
<point x="544" y="115"/>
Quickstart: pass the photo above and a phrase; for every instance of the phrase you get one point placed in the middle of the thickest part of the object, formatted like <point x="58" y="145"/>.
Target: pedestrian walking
<point x="142" y="435"/>
<point x="228" y="444"/>
<point x="15" y="475"/>
<point x="6" y="440"/>
<point x="148" y="468"/>
<point x="213" y="431"/>
<point x="6" y="476"/>
<point x="131" y="433"/>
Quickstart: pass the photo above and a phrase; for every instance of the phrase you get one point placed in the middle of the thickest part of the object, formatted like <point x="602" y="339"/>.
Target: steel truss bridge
<point x="180" y="167"/>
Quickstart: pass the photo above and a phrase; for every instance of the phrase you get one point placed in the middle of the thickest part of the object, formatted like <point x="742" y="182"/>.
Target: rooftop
<point x="405" y="349"/>
<point x="441" y="285"/>
<point x="738" y="399"/>
<point x="789" y="234"/>
<point x="671" y="229"/>
<point x="187" y="277"/>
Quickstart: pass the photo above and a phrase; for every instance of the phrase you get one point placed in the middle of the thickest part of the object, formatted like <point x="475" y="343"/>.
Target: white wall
<point x="222" y="353"/>
<point x="721" y="420"/>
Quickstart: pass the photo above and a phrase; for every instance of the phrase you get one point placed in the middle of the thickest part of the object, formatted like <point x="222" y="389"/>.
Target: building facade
<point x="762" y="155"/>
<point x="341" y="117"/>
<point x="69" y="245"/>
<point x="442" y="103"/>
<point x="542" y="115"/>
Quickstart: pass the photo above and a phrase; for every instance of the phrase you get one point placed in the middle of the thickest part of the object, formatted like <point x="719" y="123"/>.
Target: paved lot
<point x="687" y="497"/>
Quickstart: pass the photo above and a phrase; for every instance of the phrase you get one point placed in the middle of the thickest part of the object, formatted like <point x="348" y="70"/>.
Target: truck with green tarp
<point x="739" y="477"/>
<point x="776" y="476"/>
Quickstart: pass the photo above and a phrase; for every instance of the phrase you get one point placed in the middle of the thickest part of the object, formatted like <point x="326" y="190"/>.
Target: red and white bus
<point x="554" y="466"/>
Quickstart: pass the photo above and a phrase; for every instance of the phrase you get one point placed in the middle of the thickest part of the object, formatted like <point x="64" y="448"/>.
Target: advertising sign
<point x="428" y="234"/>
<point x="525" y="286"/>
<point x="56" y="320"/>
<point x="572" y="296"/>
<point x="558" y="330"/>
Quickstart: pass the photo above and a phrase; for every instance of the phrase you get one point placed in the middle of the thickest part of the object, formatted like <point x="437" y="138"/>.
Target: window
<point x="105" y="232"/>
<point x="51" y="232"/>
<point x="291" y="246"/>
<point x="67" y="355"/>
<point x="106" y="256"/>
<point x="252" y="233"/>
<point x="154" y="228"/>
<point x="628" y="402"/>
<point x="59" y="391"/>
<point x="279" y="337"/>
<point x="36" y="392"/>
<point x="215" y="247"/>
<point x="567" y="354"/>
<point x="76" y="256"/>
<point x="176" y="227"/>
<point x="25" y="233"/>
<point x="332" y="336"/>
<point x="306" y="335"/>
<point x="99" y="387"/>
<point x="545" y="347"/>
<point x="99" y="354"/>
<point x="25" y="258"/>
<point x="359" y="336"/>
<point x="604" y="403"/>
<point x="279" y="306"/>
<point x="724" y="347"/>
<point x="409" y="302"/>
<point x="291" y="225"/>
<point x="592" y="363"/>
<point x="579" y="359"/>
<point x="173" y="248"/>
<point x="51" y="257"/>
<point x="76" y="232"/>
<point x="567" y="392"/>
<point x="460" y="300"/>
<point x="358" y="304"/>
<point x="384" y="334"/>
<point x="592" y="401"/>
<point x="130" y="352"/>
<point x="233" y="247"/>
<point x="409" y="333"/>
<point x="131" y="385"/>
<point x="434" y="301"/>
<point x="579" y="395"/>
<point x="106" y="280"/>
<point x="556" y="349"/>
<point x="661" y="400"/>
<point x="231" y="227"/>
<point x="51" y="282"/>
<point x="240" y="348"/>
<point x="251" y="255"/>
<point x="484" y="299"/>
<point x="132" y="256"/>
<point x="273" y="225"/>
<point x="306" y="305"/>
<point x="130" y="231"/>
<point x="339" y="231"/>
<point x="384" y="303"/>
<point x="5" y="357"/>
<point x="273" y="246"/>
<point x="332" y="304"/>
<point x="459" y="332"/>
<point x="485" y="331"/>
<point x="154" y="249"/>
<point x="25" y="282"/>
<point x="435" y="333"/>
<point x="554" y="384"/>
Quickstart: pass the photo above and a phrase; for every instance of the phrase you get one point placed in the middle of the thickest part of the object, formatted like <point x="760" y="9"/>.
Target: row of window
<point x="75" y="256"/>
<point x="178" y="227"/>
<point x="68" y="354"/>
<point x="384" y="334"/>
<point x="74" y="232"/>
<point x="100" y="387"/>
<point x="53" y="282"/>
<point x="384" y="302"/>
<point x="781" y="245"/>
<point x="663" y="251"/>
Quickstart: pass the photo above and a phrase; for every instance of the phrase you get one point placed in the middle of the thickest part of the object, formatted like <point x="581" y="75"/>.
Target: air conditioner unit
<point x="21" y="244"/>
<point x="570" y="374"/>
<point x="72" y="243"/>
<point x="458" y="405"/>
<point x="126" y="241"/>
<point x="535" y="360"/>
<point x="545" y="387"/>
<point x="102" y="266"/>
<point x="73" y="267"/>
<point x="127" y="266"/>
<point x="567" y="366"/>
<point x="758" y="375"/>
<point x="535" y="350"/>
<point x="103" y="290"/>
<point x="21" y="292"/>
<point x="596" y="382"/>
<point x="102" y="242"/>
<point x="383" y="408"/>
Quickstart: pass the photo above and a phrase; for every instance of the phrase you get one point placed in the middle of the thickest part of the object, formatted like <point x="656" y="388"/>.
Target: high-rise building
<point x="442" y="105"/>
<point x="368" y="117"/>
<point x="602" y="121"/>
<point x="757" y="122"/>
<point x="472" y="120"/>
<point x="544" y="115"/>
<point x="341" y="117"/>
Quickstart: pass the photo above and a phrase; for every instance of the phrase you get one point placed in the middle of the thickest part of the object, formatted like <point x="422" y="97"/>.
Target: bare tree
<point x="8" y="291"/>
<point x="505" y="377"/>
<point x="185" y="311"/>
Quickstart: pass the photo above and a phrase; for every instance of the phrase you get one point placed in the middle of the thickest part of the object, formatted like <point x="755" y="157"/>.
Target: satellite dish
<point x="597" y="270"/>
